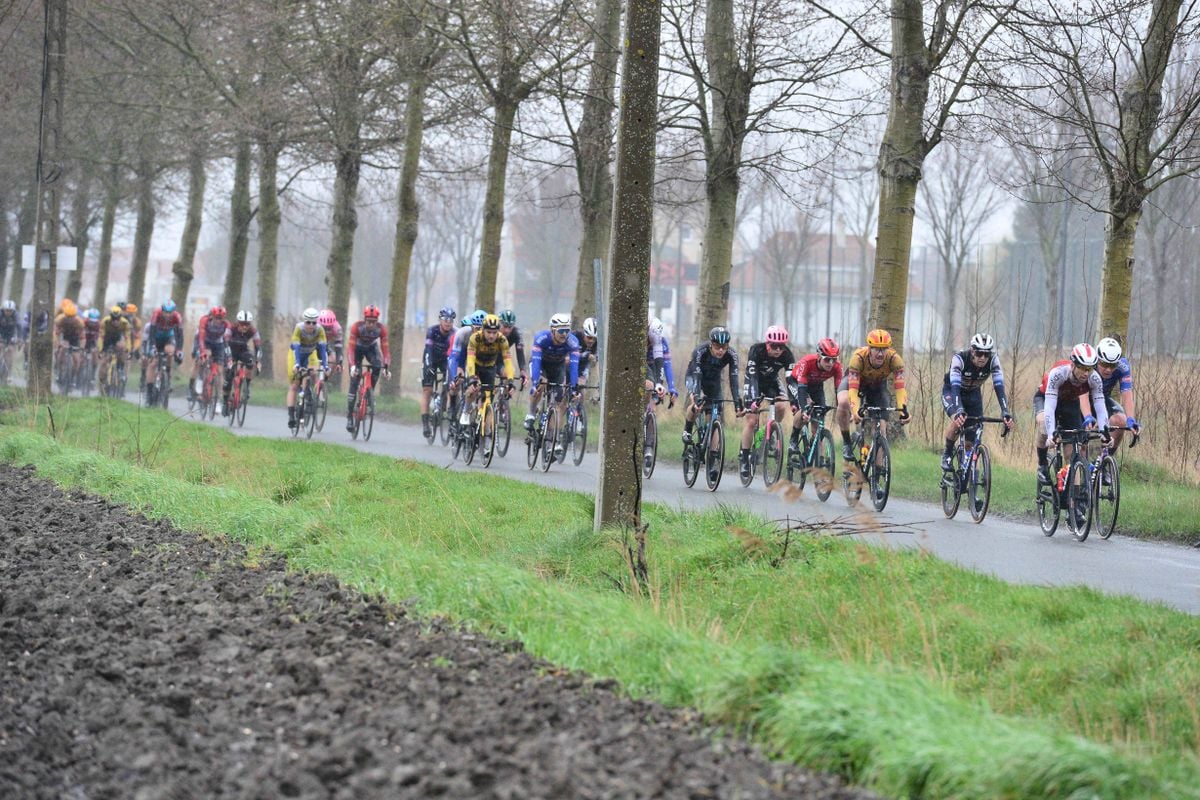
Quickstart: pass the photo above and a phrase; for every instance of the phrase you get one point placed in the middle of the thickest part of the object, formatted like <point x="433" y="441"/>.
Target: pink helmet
<point x="327" y="318"/>
<point x="777" y="334"/>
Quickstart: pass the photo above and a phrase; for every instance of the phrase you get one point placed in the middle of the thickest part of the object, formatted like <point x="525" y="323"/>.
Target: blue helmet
<point x="447" y="313"/>
<point x="93" y="314"/>
<point x="168" y="306"/>
<point x="477" y="317"/>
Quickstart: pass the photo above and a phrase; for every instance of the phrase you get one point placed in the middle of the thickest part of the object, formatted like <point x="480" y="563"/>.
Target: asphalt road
<point x="1012" y="550"/>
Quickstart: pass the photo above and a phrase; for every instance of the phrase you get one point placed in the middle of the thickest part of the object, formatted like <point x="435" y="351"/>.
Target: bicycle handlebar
<point x="981" y="420"/>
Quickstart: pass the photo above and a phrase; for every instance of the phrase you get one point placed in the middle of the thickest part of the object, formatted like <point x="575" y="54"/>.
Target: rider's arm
<point x="574" y="360"/>
<point x="956" y="368"/>
<point x="383" y="345"/>
<point x="898" y="381"/>
<point x="352" y="339"/>
<point x="535" y="364"/>
<point x="732" y="357"/>
<point x="1096" y="389"/>
<point x="796" y="388"/>
<point x="1051" y="404"/>
<point x="998" y="385"/>
<point x="519" y="344"/>
<point x="1125" y="384"/>
<point x="508" y="364"/>
<point x="471" y="356"/>
<point x="750" y="385"/>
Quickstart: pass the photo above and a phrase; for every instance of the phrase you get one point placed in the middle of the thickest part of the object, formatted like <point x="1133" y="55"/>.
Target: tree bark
<point x="4" y="243"/>
<point x="25" y="223"/>
<point x="144" y="229"/>
<point x="80" y="225"/>
<point x="592" y="154"/>
<point x="406" y="224"/>
<point x="1117" y="283"/>
<point x="183" y="268"/>
<point x="493" y="204"/>
<point x="619" y="490"/>
<point x="112" y="196"/>
<point x="345" y="223"/>
<point x="239" y="233"/>
<point x="269" y="219"/>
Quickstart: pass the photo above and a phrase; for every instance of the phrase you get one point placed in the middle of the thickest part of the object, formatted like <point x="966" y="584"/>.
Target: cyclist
<point x="866" y="378"/>
<point x="510" y="331"/>
<point x="703" y="378"/>
<point x="962" y="391"/>
<point x="1114" y="371"/>
<point x="208" y="343"/>
<point x="484" y="349"/>
<point x="435" y="358"/>
<point x="660" y="374"/>
<point x="114" y="338"/>
<point x="10" y="332"/>
<point x="589" y="344"/>
<point x="68" y="332"/>
<point x="333" y="336"/>
<point x="1057" y="401"/>
<point x="806" y="384"/>
<point x="766" y="362"/>
<point x="308" y="351"/>
<point x="367" y="341"/>
<point x="240" y="337"/>
<point x="554" y="359"/>
<point x="163" y="333"/>
<point x="135" y="326"/>
<point x="457" y="359"/>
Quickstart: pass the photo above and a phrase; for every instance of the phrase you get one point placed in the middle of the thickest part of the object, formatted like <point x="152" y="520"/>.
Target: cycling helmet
<point x="477" y="317"/>
<point x="718" y="335"/>
<point x="983" y="343"/>
<point x="168" y="306"/>
<point x="115" y="311"/>
<point x="589" y="327"/>
<point x="1108" y="350"/>
<point x="218" y="311"/>
<point x="93" y="314"/>
<point x="491" y="323"/>
<point x="371" y="312"/>
<point x="311" y="315"/>
<point x="447" y="313"/>
<point x="559" y="321"/>
<point x="9" y="305"/>
<point x="69" y="308"/>
<point x="829" y="348"/>
<point x="130" y="308"/>
<point x="777" y="334"/>
<point x="656" y="327"/>
<point x="1083" y="355"/>
<point x="327" y="319"/>
<point x="879" y="338"/>
<point x="508" y="317"/>
<point x="245" y="316"/>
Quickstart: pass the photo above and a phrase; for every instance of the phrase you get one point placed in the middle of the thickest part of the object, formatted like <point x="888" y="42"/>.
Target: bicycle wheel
<point x="881" y="473"/>
<point x="322" y="406"/>
<point x="823" y="470"/>
<point x="796" y="472"/>
<point x="714" y="456"/>
<point x="533" y="444"/>
<point x="979" y="485"/>
<point x="235" y="397"/>
<point x="854" y="476"/>
<point x="310" y="413"/>
<point x="243" y="402"/>
<point x="488" y="443"/>
<point x="1048" y="500"/>
<point x="1106" y="496"/>
<point x="1079" y="490"/>
<point x="773" y="453"/>
<point x="163" y="380"/>
<point x="649" y="444"/>
<point x="503" y="429"/>
<point x="440" y="421"/>
<point x="951" y="486"/>
<point x="471" y="438"/>
<point x="755" y="455"/>
<point x="550" y="438"/>
<point x="368" y="422"/>
<point x="579" y="435"/>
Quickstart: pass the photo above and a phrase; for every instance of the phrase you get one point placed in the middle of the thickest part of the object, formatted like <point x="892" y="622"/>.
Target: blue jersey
<point x="658" y="361"/>
<point x="437" y="346"/>
<point x="458" y="350"/>
<point x="547" y="351"/>
<point x="1121" y="377"/>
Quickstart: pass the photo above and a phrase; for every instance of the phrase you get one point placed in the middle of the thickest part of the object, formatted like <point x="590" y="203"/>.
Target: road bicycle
<point x="363" y="414"/>
<point x="503" y="424"/>
<point x="112" y="374"/>
<point x="484" y="418"/>
<point x="323" y="396"/>
<point x="871" y="465"/>
<point x="1089" y="490"/>
<point x="439" y="405"/>
<point x="971" y="470"/>
<point x="158" y="393"/>
<point x="87" y="372"/>
<point x="239" y="394"/>
<point x="546" y="439"/>
<point x="650" y="434"/>
<point x="767" y="451"/>
<point x="211" y="378"/>
<point x="707" y="446"/>
<point x="69" y="368"/>
<point x="576" y="428"/>
<point x="814" y="455"/>
<point x="306" y="404"/>
<point x="6" y="359"/>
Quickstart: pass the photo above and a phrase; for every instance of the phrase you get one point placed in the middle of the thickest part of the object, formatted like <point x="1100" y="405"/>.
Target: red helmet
<point x="777" y="334"/>
<point x="829" y="348"/>
<point x="371" y="312"/>
<point x="218" y="311"/>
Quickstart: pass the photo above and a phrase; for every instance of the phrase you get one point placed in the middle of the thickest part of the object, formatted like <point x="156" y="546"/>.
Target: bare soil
<point x="144" y="662"/>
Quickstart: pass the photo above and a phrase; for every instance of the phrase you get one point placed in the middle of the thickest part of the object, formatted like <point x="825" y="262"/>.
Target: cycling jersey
<point x="240" y="337"/>
<point x="305" y="341"/>
<point x="113" y="331"/>
<point x="659" y="367"/>
<point x="437" y="346"/>
<point x="458" y="350"/>
<point x="211" y="332"/>
<point x="763" y="370"/>
<point x="1121" y="377"/>
<point x="163" y="327"/>
<point x="365" y="335"/>
<point x="10" y="327"/>
<point x="964" y="377"/>
<point x="1058" y="385"/>
<point x="517" y="342"/>
<point x="704" y="373"/>
<point x="808" y="377"/>
<point x="91" y="333"/>
<point x="554" y="354"/>
<point x="482" y="354"/>
<point x="69" y="329"/>
<point x="862" y="375"/>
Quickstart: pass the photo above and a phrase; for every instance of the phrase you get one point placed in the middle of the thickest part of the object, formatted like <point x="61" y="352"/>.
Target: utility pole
<point x="829" y="256"/>
<point x="49" y="181"/>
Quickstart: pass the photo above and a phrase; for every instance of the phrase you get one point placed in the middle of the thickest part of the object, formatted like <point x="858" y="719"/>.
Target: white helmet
<point x="983" y="343"/>
<point x="311" y="314"/>
<point x="589" y="326"/>
<point x="1108" y="350"/>
<point x="560" y="320"/>
<point x="1083" y="355"/>
<point x="9" y="305"/>
<point x="245" y="316"/>
<point x="656" y="327"/>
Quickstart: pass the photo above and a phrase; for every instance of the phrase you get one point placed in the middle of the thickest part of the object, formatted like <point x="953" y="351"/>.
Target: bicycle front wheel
<point x="1048" y="500"/>
<point x="1079" y="491"/>
<point x="368" y="423"/>
<point x="503" y="429"/>
<point x="714" y="456"/>
<point x="649" y="444"/>
<point x="951" y="496"/>
<point x="691" y="464"/>
<point x="1106" y="496"/>
<point x="773" y="453"/>
<point x="471" y="438"/>
<point x="234" y="400"/>
<point x="826" y="466"/>
<point x="243" y="401"/>
<point x="579" y="435"/>
<point x="488" y="442"/>
<point x="322" y="407"/>
<point x="979" y="487"/>
<point x="881" y="473"/>
<point x="533" y="445"/>
<point x="310" y="414"/>
<point x="797" y="471"/>
<point x="550" y="438"/>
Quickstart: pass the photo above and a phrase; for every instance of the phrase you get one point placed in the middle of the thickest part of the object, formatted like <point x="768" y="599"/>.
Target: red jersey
<point x="365" y="334"/>
<point x="808" y="371"/>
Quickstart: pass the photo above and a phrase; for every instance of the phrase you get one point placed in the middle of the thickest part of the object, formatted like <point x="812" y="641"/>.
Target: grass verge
<point x="903" y="673"/>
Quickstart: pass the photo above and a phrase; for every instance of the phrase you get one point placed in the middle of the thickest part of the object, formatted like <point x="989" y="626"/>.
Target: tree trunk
<point x="592" y="155"/>
<point x="493" y="204"/>
<point x="619" y="489"/>
<point x="25" y="223"/>
<point x="107" y="223"/>
<point x="182" y="269"/>
<point x="239" y="233"/>
<point x="345" y="223"/>
<point x="1117" y="284"/>
<point x="4" y="243"/>
<point x="269" y="219"/>
<point x="80" y="225"/>
<point x="406" y="224"/>
<point x="142" y="233"/>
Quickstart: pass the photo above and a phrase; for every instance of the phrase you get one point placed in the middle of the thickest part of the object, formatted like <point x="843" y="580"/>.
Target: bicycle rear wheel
<point x="550" y="437"/>
<point x="773" y="453"/>
<point x="796" y="467"/>
<point x="1106" y="496"/>
<point x="579" y="435"/>
<point x="322" y="407"/>
<point x="649" y="444"/>
<point x="1079" y="490"/>
<point x="503" y="429"/>
<point x="881" y="473"/>
<point x="979" y="486"/>
<point x="714" y="456"/>
<point x="951" y="496"/>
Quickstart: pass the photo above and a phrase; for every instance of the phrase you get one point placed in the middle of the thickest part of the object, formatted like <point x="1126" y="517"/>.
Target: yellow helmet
<point x="116" y="311"/>
<point x="879" y="338"/>
<point x="68" y="307"/>
<point x="491" y="322"/>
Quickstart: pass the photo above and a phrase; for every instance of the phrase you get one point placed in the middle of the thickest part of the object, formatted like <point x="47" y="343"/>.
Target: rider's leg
<point x="843" y="420"/>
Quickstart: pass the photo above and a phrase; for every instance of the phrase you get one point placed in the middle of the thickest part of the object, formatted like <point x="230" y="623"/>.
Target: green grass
<point x="897" y="670"/>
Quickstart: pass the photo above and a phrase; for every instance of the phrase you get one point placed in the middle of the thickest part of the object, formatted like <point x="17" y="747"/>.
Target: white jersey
<point x="1060" y="385"/>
